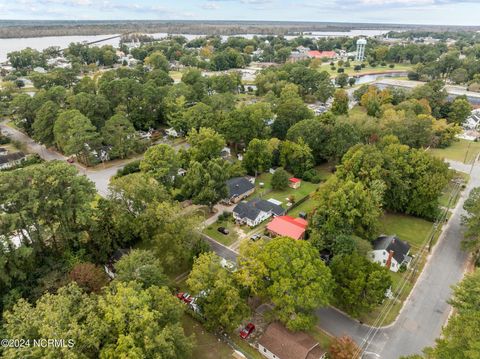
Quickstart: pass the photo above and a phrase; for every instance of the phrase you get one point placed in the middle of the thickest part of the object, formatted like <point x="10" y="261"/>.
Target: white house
<point x="256" y="211"/>
<point x="473" y="121"/>
<point x="391" y="252"/>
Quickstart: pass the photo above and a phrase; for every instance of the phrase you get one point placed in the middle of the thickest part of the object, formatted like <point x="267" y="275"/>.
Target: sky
<point x="441" y="12"/>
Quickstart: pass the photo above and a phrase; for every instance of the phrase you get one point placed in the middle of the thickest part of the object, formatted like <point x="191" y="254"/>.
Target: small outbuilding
<point x="294" y="182"/>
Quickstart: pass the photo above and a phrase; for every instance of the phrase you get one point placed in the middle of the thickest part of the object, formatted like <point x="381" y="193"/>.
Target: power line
<point x="386" y="310"/>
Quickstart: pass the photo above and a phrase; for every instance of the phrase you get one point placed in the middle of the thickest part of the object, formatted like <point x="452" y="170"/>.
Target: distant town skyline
<point x="439" y="12"/>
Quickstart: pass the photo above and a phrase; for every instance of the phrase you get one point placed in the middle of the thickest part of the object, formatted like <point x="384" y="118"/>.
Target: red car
<point x="245" y="332"/>
<point x="185" y="297"/>
<point x="70" y="160"/>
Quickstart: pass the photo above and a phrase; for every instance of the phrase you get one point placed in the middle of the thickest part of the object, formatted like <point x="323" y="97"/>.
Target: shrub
<point x="280" y="179"/>
<point x="312" y="175"/>
<point x="131" y="167"/>
<point x="341" y="70"/>
<point x="391" y="66"/>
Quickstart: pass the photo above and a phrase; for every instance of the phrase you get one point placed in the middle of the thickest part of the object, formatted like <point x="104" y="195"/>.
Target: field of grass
<point x="446" y="194"/>
<point x="463" y="151"/>
<point x="176" y="75"/>
<point x="227" y="239"/>
<point x="367" y="70"/>
<point x="321" y="337"/>
<point x="267" y="192"/>
<point x="207" y="345"/>
<point x="408" y="228"/>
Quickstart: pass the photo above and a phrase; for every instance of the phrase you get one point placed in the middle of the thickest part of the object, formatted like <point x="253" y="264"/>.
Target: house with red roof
<point x="294" y="182"/>
<point x="322" y="54"/>
<point x="286" y="226"/>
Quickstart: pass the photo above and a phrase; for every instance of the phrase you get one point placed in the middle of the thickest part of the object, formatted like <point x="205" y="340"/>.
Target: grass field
<point x="267" y="192"/>
<point x="411" y="229"/>
<point x="414" y="231"/>
<point x="212" y="231"/>
<point x="207" y="345"/>
<point x="446" y="194"/>
<point x="463" y="151"/>
<point x="367" y="70"/>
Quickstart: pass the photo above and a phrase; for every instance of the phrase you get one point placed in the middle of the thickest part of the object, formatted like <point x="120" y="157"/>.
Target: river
<point x="41" y="43"/>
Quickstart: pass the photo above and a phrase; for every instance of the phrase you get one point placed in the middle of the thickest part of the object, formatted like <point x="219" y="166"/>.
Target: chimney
<point x="389" y="259"/>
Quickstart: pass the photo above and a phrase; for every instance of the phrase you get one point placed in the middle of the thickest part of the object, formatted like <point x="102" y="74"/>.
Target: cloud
<point x="210" y="6"/>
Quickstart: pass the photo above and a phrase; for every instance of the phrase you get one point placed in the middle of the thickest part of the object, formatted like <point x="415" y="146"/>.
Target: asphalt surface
<point x="426" y="310"/>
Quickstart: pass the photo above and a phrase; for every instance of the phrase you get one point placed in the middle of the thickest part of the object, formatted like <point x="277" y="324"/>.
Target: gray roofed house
<point x="11" y="159"/>
<point x="239" y="188"/>
<point x="256" y="211"/>
<point x="391" y="252"/>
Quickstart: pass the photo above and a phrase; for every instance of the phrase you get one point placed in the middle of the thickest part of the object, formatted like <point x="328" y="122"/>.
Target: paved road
<point x="220" y="249"/>
<point x="100" y="176"/>
<point x="426" y="310"/>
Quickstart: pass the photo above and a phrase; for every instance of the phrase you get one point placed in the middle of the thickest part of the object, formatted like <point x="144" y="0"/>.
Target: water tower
<point x="361" y="43"/>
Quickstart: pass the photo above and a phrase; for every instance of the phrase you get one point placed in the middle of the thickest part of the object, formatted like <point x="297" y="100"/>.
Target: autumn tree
<point x="340" y="103"/>
<point x="89" y="277"/>
<point x="343" y="348"/>
<point x="157" y="61"/>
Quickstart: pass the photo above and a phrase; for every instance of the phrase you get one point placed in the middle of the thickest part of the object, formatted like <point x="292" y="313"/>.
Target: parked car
<point x="223" y="230"/>
<point x="70" y="159"/>
<point x="256" y="237"/>
<point x="185" y="297"/>
<point x="245" y="332"/>
<point x="228" y="265"/>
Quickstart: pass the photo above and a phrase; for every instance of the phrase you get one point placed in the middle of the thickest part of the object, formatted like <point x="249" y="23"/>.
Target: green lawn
<point x="321" y="337"/>
<point x="462" y="151"/>
<point x="176" y="75"/>
<point x="367" y="70"/>
<point x="414" y="231"/>
<point x="444" y="199"/>
<point x="408" y="228"/>
<point x="207" y="345"/>
<point x="213" y="232"/>
<point x="267" y="192"/>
